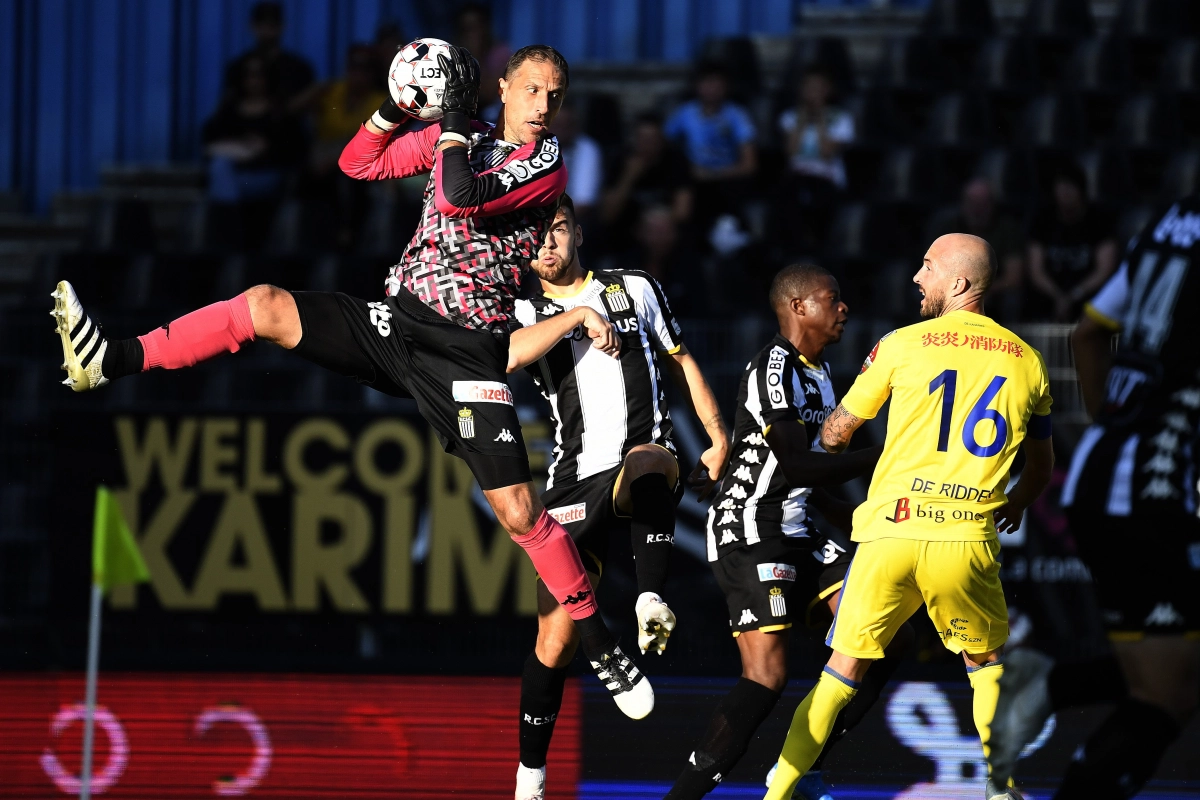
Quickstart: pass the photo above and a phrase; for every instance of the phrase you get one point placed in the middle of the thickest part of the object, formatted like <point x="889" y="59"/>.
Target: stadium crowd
<point x="1054" y="144"/>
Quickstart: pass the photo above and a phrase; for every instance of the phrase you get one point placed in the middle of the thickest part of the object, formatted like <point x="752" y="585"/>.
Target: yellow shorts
<point x="889" y="579"/>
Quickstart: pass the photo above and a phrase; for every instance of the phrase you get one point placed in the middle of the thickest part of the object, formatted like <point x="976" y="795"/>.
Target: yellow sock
<point x="986" y="683"/>
<point x="810" y="727"/>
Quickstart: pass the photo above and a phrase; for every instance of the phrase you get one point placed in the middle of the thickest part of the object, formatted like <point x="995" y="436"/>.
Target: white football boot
<point x="1021" y="710"/>
<point x="625" y="682"/>
<point x="531" y="783"/>
<point x="83" y="342"/>
<point x="655" y="622"/>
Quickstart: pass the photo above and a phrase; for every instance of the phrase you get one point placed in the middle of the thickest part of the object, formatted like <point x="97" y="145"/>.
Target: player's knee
<point x="771" y="674"/>
<point x="517" y="508"/>
<point x="273" y="312"/>
<point x="646" y="459"/>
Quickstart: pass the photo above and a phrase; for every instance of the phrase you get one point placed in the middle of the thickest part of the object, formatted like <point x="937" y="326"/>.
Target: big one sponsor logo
<point x="195" y="736"/>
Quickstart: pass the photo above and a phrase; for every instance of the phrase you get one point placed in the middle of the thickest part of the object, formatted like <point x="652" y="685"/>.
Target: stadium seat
<point x="1013" y="176"/>
<point x="961" y="119"/>
<point x="1156" y="19"/>
<point x="1053" y="121"/>
<point x="1182" y="176"/>
<point x="1006" y="70"/>
<point x="911" y="175"/>
<point x="875" y="118"/>
<point x="1099" y="72"/>
<point x="1181" y="75"/>
<point x="912" y="70"/>
<point x="1108" y="176"/>
<point x="959" y="18"/>
<point x="1054" y="26"/>
<point x="1148" y="120"/>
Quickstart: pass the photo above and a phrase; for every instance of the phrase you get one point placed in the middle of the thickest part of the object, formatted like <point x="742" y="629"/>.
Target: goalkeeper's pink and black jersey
<point x="486" y="211"/>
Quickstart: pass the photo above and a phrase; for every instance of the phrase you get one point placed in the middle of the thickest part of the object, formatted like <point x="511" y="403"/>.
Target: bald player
<point x="771" y="562"/>
<point x="966" y="393"/>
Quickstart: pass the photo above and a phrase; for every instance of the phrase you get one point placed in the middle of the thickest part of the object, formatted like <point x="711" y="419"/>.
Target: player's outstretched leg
<point x="91" y="359"/>
<point x="557" y="562"/>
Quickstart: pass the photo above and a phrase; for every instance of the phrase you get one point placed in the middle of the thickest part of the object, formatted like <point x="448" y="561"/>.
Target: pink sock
<point x="557" y="562"/>
<point x="203" y="334"/>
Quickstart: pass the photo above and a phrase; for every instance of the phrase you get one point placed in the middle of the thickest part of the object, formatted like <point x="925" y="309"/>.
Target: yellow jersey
<point x="964" y="390"/>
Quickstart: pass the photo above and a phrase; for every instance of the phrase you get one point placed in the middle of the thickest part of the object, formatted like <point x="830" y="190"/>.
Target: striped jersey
<point x="603" y="406"/>
<point x="1142" y="449"/>
<point x="755" y="502"/>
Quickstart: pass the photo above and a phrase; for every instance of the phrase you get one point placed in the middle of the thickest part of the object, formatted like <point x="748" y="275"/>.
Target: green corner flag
<point x="116" y="559"/>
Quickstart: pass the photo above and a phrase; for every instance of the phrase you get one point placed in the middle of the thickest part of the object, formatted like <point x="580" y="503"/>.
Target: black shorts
<point x="759" y="579"/>
<point x="457" y="376"/>
<point x="1145" y="567"/>
<point x="588" y="510"/>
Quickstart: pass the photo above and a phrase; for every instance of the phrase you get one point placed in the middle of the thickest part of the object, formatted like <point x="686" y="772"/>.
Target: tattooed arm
<point x="837" y="430"/>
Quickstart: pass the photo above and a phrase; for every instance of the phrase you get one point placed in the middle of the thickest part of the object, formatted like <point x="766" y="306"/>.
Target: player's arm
<point x="375" y="155"/>
<point x="803" y="466"/>
<point x="1091" y="341"/>
<point x="527" y="344"/>
<point x="1039" y="463"/>
<point x="840" y="513"/>
<point x="535" y="176"/>
<point x="686" y="374"/>
<point x="838" y="428"/>
<point x="870" y="391"/>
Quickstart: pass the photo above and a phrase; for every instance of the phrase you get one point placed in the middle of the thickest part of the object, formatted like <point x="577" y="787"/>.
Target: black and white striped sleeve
<point x="654" y="309"/>
<point x="776" y="378"/>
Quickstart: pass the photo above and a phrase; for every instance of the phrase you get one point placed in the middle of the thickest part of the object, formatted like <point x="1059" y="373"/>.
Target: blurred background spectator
<point x="814" y="133"/>
<point x="585" y="166"/>
<point x="977" y="214"/>
<point x="718" y="138"/>
<point x="654" y="173"/>
<point x="1072" y="249"/>
<point x="287" y="74"/>
<point x="473" y="30"/>
<point x="252" y="143"/>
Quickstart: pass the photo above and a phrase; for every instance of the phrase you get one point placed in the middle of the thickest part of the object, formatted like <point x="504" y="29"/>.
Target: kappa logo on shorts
<point x="381" y="318"/>
<point x="615" y="297"/>
<point x="776" y="572"/>
<point x="466" y="423"/>
<point x="778" y="602"/>
<point x="747" y="617"/>
<point x="567" y="514"/>
<point x="482" y="392"/>
<point x="505" y="435"/>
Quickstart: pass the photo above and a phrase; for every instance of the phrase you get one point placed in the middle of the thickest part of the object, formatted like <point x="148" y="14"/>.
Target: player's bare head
<point x="956" y="272"/>
<point x="806" y="297"/>
<point x="558" y="255"/>
<point x="532" y="91"/>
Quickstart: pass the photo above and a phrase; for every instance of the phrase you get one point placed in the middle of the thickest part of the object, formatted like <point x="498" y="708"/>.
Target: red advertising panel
<point x="181" y="735"/>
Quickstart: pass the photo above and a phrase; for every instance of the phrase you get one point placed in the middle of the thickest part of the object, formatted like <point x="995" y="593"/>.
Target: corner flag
<point x="116" y="559"/>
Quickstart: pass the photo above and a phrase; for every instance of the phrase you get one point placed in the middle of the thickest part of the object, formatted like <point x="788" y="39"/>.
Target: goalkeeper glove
<point x="460" y="99"/>
<point x="655" y="622"/>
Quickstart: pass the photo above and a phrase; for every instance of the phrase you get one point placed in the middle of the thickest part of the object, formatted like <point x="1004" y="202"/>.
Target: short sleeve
<point x="743" y="128"/>
<point x="664" y="329"/>
<point x="525" y="313"/>
<point x="842" y="128"/>
<point x="775" y="393"/>
<point x="873" y="385"/>
<point x="1107" y="308"/>
<point x="1042" y="406"/>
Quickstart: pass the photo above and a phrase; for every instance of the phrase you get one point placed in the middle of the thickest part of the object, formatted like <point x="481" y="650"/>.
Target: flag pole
<point x="93" y="665"/>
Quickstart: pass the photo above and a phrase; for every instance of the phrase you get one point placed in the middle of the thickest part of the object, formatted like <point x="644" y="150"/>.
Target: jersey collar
<point x="583" y="287"/>
<point x="783" y="342"/>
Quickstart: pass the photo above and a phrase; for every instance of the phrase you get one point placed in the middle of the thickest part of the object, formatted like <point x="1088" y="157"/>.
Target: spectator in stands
<point x="653" y="174"/>
<point x="978" y="216"/>
<point x="287" y="74"/>
<point x="338" y="109"/>
<point x="252" y="143"/>
<point x="389" y="38"/>
<point x="1072" y="249"/>
<point x="662" y="253"/>
<point x="718" y="138"/>
<point x="585" y="165"/>
<point x="815" y="133"/>
<point x="473" y="30"/>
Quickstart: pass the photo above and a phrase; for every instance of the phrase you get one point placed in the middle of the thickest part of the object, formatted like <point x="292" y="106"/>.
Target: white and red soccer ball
<point x="415" y="78"/>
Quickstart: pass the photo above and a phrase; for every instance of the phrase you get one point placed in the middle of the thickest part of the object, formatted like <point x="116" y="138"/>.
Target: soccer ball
<point x="416" y="80"/>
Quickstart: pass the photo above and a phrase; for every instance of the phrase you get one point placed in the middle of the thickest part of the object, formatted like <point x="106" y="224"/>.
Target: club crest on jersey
<point x="466" y="423"/>
<point x="874" y="352"/>
<point x="615" y="298"/>
<point x="778" y="603"/>
<point x="482" y="392"/>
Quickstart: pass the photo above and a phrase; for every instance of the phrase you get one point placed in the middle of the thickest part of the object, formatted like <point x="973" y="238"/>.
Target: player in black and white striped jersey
<point x="1131" y="501"/>
<point x="615" y="468"/>
<point x="770" y="561"/>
